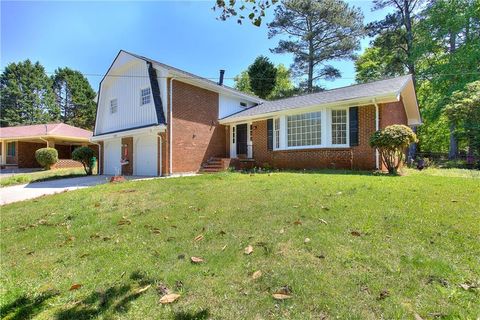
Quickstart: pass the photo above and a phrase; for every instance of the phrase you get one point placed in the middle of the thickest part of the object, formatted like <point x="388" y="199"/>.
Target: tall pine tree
<point x="317" y="32"/>
<point x="75" y="98"/>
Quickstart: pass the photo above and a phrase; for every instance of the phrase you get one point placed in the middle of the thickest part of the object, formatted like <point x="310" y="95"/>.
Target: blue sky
<point x="86" y="36"/>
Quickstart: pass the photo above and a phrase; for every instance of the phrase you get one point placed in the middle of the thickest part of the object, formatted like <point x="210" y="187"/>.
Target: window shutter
<point x="269" y="134"/>
<point x="353" y="125"/>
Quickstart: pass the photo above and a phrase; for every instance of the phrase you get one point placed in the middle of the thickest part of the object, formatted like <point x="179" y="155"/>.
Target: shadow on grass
<point x="116" y="299"/>
<point x="26" y="307"/>
<point x="325" y="171"/>
<point x="185" y="315"/>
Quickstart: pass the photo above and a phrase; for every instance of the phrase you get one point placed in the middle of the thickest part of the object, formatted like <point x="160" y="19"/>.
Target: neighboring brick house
<point x="153" y="119"/>
<point x="19" y="143"/>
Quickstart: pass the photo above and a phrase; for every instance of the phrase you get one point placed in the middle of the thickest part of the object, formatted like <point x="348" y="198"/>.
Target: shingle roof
<point x="191" y="75"/>
<point x="50" y="129"/>
<point x="376" y="88"/>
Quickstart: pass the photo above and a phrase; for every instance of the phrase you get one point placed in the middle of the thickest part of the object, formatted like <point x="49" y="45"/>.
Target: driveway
<point x="38" y="189"/>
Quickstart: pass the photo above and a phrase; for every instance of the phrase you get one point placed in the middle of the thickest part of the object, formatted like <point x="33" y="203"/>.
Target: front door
<point x="242" y="140"/>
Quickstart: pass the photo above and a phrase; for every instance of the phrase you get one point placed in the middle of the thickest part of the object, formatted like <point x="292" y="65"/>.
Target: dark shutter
<point x="353" y="125"/>
<point x="269" y="134"/>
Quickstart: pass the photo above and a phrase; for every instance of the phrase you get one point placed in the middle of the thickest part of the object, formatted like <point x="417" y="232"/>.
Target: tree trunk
<point x="408" y="27"/>
<point x="453" y="145"/>
<point x="310" y="66"/>
<point x="453" y="149"/>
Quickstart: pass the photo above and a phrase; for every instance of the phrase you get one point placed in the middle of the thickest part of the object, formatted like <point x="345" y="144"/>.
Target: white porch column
<point x="3" y="160"/>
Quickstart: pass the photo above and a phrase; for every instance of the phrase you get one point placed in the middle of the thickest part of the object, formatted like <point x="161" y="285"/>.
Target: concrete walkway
<point x="38" y="189"/>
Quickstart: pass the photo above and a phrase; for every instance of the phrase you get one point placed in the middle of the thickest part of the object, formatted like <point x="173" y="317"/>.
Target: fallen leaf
<point x="248" y="249"/>
<point x="169" y="298"/>
<point x="281" y="296"/>
<point x="298" y="222"/>
<point x="75" y="286"/>
<point x="467" y="286"/>
<point x="453" y="200"/>
<point x="224" y="247"/>
<point x="355" y="233"/>
<point x="325" y="208"/>
<point x="222" y="233"/>
<point x="196" y="260"/>
<point x="256" y="275"/>
<point x="143" y="289"/>
<point x="199" y="237"/>
<point x="323" y="221"/>
<point x="282" y="231"/>
<point x="124" y="221"/>
<point x="307" y="240"/>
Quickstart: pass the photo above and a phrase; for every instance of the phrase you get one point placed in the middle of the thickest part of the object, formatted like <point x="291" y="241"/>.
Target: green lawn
<point x="41" y="176"/>
<point x="380" y="247"/>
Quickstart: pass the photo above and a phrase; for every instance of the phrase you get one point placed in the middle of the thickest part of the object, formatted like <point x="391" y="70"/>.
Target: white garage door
<point x="146" y="157"/>
<point x="113" y="155"/>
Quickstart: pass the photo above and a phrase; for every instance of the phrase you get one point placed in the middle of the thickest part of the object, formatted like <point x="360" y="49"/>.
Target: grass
<point x="41" y="176"/>
<point x="391" y="248"/>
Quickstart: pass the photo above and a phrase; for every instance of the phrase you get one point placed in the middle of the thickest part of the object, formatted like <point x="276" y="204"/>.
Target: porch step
<point x="215" y="164"/>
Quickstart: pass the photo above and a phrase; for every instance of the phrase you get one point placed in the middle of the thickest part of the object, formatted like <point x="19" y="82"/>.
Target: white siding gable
<point x="229" y="105"/>
<point x="124" y="82"/>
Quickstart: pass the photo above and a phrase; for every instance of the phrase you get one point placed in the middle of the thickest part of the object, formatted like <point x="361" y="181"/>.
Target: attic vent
<point x="243" y="104"/>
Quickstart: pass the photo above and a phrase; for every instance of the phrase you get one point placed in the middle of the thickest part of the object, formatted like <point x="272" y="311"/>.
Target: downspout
<point x="46" y="133"/>
<point x="170" y="133"/>
<point x="377" y="125"/>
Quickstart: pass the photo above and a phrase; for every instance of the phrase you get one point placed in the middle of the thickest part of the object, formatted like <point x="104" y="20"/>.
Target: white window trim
<point x="141" y="96"/>
<point x="330" y="128"/>
<point x="326" y="130"/>
<point x="275" y="142"/>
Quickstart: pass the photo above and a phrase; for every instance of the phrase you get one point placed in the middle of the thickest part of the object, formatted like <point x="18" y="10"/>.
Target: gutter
<point x="341" y="103"/>
<point x="170" y="133"/>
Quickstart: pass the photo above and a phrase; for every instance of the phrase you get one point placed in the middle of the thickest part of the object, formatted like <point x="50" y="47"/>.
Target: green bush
<point x="391" y="142"/>
<point x="46" y="157"/>
<point x="84" y="155"/>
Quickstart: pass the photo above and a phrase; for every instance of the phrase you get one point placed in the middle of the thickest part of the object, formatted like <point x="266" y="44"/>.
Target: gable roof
<point x="45" y="130"/>
<point x="187" y="75"/>
<point x="386" y="89"/>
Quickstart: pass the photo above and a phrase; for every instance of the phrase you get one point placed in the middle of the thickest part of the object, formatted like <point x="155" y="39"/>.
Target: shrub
<point x="84" y="155"/>
<point x="391" y="142"/>
<point x="46" y="157"/>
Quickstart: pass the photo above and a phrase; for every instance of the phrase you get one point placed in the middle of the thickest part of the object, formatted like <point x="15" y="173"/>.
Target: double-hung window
<point x="276" y="133"/>
<point x="113" y="106"/>
<point x="145" y="96"/>
<point x="339" y="126"/>
<point x="304" y="129"/>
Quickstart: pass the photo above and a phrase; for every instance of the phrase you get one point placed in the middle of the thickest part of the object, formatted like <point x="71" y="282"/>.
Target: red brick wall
<point x="197" y="135"/>
<point x="127" y="143"/>
<point x="392" y="113"/>
<point x="67" y="163"/>
<point x="359" y="157"/>
<point x="26" y="154"/>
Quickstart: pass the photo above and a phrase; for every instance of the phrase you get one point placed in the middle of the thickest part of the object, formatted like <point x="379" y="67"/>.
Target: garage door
<point x="146" y="157"/>
<point x="113" y="155"/>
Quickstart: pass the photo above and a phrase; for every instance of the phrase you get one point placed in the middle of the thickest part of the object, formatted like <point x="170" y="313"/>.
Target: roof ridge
<point x="187" y="72"/>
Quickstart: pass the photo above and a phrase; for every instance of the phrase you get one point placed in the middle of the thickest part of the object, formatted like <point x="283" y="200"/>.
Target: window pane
<point x="339" y="126"/>
<point x="145" y="96"/>
<point x="304" y="129"/>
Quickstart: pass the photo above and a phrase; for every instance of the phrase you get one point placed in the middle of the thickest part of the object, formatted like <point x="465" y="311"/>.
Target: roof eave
<point x="391" y="97"/>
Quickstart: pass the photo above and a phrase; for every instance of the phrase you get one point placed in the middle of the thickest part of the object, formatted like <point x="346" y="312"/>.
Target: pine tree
<point x="26" y="95"/>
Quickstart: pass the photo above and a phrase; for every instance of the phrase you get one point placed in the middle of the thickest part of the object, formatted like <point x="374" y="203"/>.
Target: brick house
<point x="19" y="143"/>
<point x="153" y="119"/>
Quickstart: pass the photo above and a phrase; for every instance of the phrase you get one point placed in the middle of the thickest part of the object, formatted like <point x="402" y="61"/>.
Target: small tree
<point x="391" y="143"/>
<point x="46" y="157"/>
<point x="84" y="155"/>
